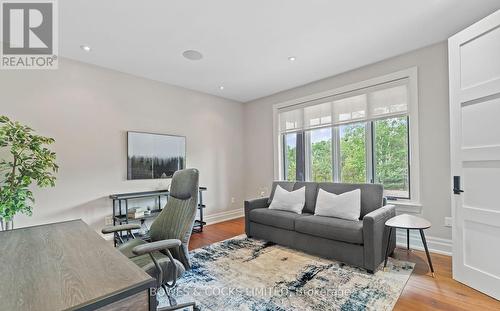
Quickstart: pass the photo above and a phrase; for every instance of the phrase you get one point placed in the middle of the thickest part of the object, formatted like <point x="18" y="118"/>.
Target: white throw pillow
<point x="346" y="205"/>
<point x="292" y="201"/>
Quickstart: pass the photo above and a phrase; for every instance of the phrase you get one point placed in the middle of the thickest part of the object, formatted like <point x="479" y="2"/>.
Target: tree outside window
<point x="387" y="147"/>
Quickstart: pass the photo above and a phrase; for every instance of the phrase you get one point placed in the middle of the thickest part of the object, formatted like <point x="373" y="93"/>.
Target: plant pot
<point x="6" y="225"/>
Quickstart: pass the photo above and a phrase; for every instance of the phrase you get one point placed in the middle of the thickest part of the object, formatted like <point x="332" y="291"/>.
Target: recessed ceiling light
<point x="192" y="55"/>
<point x="292" y="58"/>
<point x="86" y="48"/>
<point x="221" y="87"/>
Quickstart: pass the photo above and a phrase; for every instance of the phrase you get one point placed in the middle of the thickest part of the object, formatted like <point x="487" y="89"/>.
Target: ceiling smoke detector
<point x="192" y="55"/>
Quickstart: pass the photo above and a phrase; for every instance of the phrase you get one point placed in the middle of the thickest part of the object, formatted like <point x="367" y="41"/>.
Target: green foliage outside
<point x="28" y="161"/>
<point x="321" y="169"/>
<point x="291" y="162"/>
<point x="353" y="154"/>
<point x="391" y="155"/>
<point x="322" y="161"/>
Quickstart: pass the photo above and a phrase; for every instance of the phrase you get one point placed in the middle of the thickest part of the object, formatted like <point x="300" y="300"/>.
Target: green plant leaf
<point x="31" y="162"/>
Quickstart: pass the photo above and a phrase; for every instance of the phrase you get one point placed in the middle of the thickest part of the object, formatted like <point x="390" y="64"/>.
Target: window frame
<point x="413" y="138"/>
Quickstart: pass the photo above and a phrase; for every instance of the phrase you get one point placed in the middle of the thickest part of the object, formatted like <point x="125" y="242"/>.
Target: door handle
<point x="456" y="185"/>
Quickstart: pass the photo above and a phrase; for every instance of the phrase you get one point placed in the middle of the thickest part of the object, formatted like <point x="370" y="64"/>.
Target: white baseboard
<point x="223" y="216"/>
<point x="435" y="245"/>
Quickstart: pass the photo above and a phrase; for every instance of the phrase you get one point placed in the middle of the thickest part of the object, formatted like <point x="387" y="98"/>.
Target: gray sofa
<point x="360" y="243"/>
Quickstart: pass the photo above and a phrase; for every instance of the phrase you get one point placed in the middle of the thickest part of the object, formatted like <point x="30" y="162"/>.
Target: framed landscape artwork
<point x="154" y="156"/>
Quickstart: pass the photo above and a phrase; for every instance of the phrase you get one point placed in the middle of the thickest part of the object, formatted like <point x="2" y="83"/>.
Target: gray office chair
<point x="166" y="257"/>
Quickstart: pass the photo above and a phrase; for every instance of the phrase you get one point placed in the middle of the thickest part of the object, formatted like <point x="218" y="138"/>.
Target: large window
<point x="357" y="137"/>
<point x="320" y="155"/>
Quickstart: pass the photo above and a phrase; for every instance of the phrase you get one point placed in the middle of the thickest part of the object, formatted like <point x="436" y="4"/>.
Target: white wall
<point x="432" y="63"/>
<point x="88" y="110"/>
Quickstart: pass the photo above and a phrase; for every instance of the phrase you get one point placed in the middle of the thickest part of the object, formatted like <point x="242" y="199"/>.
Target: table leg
<point x="387" y="248"/>
<point x="422" y="235"/>
<point x="120" y="208"/>
<point x="114" y="223"/>
<point x="201" y="210"/>
<point x="408" y="239"/>
<point x="152" y="299"/>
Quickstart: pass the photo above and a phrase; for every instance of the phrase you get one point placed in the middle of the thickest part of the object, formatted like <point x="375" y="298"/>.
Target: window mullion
<point x="307" y="156"/>
<point x="369" y="151"/>
<point x="300" y="168"/>
<point x="284" y="156"/>
<point x="336" y="154"/>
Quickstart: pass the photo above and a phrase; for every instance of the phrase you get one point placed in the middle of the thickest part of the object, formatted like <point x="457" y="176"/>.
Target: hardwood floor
<point x="217" y="232"/>
<point x="422" y="292"/>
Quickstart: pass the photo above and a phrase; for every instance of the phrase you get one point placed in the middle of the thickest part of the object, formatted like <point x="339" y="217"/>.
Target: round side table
<point x="408" y="222"/>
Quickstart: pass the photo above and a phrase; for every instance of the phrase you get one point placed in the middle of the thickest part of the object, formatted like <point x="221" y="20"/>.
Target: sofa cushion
<point x="287" y="185"/>
<point x="311" y="194"/>
<point x="371" y="194"/>
<point x="290" y="201"/>
<point x="346" y="205"/>
<point x="331" y="228"/>
<point x="274" y="218"/>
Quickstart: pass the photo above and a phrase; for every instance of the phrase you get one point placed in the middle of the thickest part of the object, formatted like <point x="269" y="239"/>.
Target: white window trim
<point x="412" y="75"/>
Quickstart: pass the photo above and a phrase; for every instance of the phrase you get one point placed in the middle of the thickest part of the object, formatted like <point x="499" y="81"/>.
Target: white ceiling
<point x="246" y="44"/>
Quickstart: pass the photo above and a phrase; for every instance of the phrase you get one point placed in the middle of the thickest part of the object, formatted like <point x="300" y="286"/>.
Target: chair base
<point x="174" y="305"/>
<point x="179" y="306"/>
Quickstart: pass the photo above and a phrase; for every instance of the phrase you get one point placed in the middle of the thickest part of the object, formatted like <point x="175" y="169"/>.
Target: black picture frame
<point x="154" y="156"/>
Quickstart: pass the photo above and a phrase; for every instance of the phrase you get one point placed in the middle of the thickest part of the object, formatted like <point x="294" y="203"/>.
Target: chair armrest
<point x="375" y="236"/>
<point x="250" y="205"/>
<point x="156" y="246"/>
<point x="126" y="227"/>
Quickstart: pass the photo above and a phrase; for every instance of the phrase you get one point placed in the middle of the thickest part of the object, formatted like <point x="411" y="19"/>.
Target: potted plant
<point x="24" y="160"/>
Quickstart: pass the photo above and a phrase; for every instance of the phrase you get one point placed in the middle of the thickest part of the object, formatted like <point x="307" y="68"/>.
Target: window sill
<point x="407" y="206"/>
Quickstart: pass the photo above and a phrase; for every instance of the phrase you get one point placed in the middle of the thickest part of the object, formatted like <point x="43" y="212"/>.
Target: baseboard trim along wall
<point x="223" y="216"/>
<point x="435" y="245"/>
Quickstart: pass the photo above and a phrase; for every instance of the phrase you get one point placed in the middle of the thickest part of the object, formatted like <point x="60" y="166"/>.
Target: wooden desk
<point x="68" y="266"/>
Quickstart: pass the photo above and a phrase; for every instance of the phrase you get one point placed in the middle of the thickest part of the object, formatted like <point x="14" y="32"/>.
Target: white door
<point x="474" y="61"/>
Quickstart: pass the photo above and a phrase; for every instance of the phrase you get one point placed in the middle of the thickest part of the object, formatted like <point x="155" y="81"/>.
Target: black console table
<point x="121" y="206"/>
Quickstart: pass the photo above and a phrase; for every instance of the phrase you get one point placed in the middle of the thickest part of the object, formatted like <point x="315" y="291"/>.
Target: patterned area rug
<point x="248" y="274"/>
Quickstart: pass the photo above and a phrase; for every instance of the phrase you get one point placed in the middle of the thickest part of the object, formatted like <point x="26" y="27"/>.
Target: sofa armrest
<point x="249" y="206"/>
<point x="375" y="236"/>
<point x="256" y="203"/>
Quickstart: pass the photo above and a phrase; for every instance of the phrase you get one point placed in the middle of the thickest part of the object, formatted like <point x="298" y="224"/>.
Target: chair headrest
<point x="184" y="184"/>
